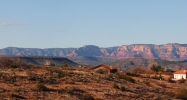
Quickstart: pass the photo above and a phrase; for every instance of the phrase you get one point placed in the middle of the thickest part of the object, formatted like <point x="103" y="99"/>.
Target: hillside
<point x="14" y="51"/>
<point x="125" y="63"/>
<point x="128" y="63"/>
<point x="22" y="81"/>
<point x="54" y="83"/>
<point x="93" y="61"/>
<point x="41" y="61"/>
<point x="166" y="51"/>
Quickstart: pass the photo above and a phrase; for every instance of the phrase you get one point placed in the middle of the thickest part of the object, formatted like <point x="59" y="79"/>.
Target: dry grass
<point x="35" y="83"/>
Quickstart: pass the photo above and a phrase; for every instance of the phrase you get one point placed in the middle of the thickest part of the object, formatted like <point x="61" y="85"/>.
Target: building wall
<point x="179" y="76"/>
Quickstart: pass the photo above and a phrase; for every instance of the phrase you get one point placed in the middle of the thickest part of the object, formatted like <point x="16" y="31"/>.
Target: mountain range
<point x="171" y="51"/>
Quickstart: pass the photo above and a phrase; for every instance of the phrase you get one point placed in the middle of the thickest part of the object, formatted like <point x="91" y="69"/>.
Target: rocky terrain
<point x="167" y="51"/>
<point x="20" y="81"/>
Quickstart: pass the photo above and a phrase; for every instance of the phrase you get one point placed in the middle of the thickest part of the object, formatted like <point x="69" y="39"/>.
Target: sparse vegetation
<point x="157" y="68"/>
<point x="171" y="81"/>
<point x="147" y="82"/>
<point x="127" y="78"/>
<point x="132" y="74"/>
<point x="87" y="97"/>
<point x="55" y="82"/>
<point x="115" y="86"/>
<point x="181" y="94"/>
<point x="122" y="88"/>
<point x="16" y="96"/>
<point x="41" y="87"/>
<point x="182" y="80"/>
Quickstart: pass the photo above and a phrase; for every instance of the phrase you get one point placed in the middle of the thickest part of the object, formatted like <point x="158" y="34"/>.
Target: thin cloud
<point x="11" y="24"/>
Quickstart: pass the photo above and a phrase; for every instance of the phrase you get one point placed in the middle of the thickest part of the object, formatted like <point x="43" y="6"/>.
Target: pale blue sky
<point x="104" y="23"/>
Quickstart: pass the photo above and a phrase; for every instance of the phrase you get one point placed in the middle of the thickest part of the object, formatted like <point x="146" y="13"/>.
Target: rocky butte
<point x="165" y="51"/>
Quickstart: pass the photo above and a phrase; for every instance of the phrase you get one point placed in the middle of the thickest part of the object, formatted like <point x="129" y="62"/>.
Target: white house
<point x="180" y="74"/>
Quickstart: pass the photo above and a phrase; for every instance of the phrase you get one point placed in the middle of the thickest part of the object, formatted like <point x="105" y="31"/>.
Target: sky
<point x="104" y="23"/>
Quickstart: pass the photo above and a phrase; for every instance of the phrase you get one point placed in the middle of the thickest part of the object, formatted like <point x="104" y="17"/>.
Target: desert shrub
<point x="75" y="91"/>
<point x="14" y="66"/>
<point x="122" y="88"/>
<point x="12" y="79"/>
<point x="127" y="78"/>
<point x="110" y="77"/>
<point x="52" y="64"/>
<point x="70" y="82"/>
<point x="41" y="87"/>
<point x="98" y="99"/>
<point x="170" y="80"/>
<point x="132" y="74"/>
<point x="115" y="86"/>
<point x="16" y="90"/>
<point x="31" y="76"/>
<point x="171" y="94"/>
<point x="101" y="71"/>
<point x="181" y="94"/>
<point x="65" y="66"/>
<point x="1" y="74"/>
<point x="146" y="82"/>
<point x="5" y="61"/>
<point x="81" y="79"/>
<point x="48" y="80"/>
<point x="55" y="72"/>
<point x="138" y="70"/>
<point x="87" y="97"/>
<point x="16" y="96"/>
<point x="156" y="68"/>
<point x="61" y="90"/>
<point x="182" y="80"/>
<point x="162" y="85"/>
<point x="12" y="63"/>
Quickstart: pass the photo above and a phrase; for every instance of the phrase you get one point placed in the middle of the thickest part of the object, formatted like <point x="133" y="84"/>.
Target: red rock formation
<point x="166" y="51"/>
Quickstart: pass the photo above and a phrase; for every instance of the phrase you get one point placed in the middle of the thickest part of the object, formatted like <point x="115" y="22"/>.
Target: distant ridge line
<point x="170" y="51"/>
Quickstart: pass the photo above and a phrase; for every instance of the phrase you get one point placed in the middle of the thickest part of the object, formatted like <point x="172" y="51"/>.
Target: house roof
<point x="102" y="65"/>
<point x="181" y="72"/>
